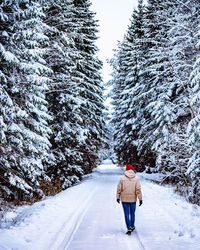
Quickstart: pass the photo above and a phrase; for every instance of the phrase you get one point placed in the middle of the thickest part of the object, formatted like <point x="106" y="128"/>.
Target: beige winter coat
<point x="129" y="188"/>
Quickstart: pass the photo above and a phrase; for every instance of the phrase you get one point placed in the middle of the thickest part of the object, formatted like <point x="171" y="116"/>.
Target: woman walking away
<point x="128" y="191"/>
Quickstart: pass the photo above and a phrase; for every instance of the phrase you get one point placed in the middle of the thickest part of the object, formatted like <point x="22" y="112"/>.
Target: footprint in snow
<point x="107" y="236"/>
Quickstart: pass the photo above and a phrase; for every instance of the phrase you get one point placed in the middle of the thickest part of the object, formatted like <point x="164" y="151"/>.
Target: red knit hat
<point x="130" y="167"/>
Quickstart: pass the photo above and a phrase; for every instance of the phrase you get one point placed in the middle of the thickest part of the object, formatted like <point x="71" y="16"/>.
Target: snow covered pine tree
<point x="162" y="116"/>
<point x="127" y="106"/>
<point x="75" y="98"/>
<point x="25" y="81"/>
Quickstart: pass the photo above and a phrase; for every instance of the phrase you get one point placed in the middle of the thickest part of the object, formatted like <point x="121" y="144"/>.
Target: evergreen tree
<point x="129" y="63"/>
<point x="155" y="81"/>
<point x="173" y="155"/>
<point x="91" y="88"/>
<point x="156" y="94"/>
<point x="117" y="87"/>
<point x="193" y="129"/>
<point x="10" y="133"/>
<point x="26" y="82"/>
<point x="64" y="100"/>
<point x="75" y="99"/>
<point x="174" y="159"/>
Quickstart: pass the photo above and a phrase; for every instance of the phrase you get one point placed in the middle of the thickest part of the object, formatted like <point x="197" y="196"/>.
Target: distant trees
<point x="156" y="99"/>
<point x="51" y="100"/>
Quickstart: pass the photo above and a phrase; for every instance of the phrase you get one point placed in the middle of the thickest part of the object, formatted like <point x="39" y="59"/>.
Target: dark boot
<point x="129" y="231"/>
<point x="132" y="229"/>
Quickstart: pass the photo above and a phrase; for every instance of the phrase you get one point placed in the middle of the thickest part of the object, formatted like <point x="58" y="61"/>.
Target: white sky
<point x="114" y="18"/>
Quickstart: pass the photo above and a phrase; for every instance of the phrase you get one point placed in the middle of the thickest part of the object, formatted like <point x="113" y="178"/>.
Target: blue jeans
<point x="129" y="213"/>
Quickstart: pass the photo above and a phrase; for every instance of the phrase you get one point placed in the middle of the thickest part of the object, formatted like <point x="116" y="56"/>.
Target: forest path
<point x="87" y="217"/>
<point x="159" y="222"/>
<point x="101" y="224"/>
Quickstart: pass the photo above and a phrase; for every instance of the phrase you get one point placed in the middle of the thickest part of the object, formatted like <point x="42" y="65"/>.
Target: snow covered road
<point x="87" y="217"/>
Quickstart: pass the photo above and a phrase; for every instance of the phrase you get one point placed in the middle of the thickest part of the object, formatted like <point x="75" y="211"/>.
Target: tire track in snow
<point x="140" y="242"/>
<point x="67" y="240"/>
<point x="133" y="240"/>
<point x="64" y="236"/>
